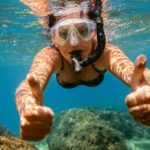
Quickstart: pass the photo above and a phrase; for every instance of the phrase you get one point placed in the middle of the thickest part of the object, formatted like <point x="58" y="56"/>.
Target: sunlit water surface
<point x="21" y="37"/>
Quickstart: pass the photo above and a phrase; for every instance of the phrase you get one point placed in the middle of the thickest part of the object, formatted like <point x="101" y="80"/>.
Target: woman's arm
<point x="36" y="119"/>
<point x="45" y="63"/>
<point x="38" y="7"/>
<point x="114" y="60"/>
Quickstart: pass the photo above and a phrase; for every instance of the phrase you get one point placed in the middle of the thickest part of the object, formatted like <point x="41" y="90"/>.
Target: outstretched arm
<point x="122" y="67"/>
<point x="45" y="63"/>
<point x="35" y="119"/>
<point x="137" y="76"/>
<point x="38" y="7"/>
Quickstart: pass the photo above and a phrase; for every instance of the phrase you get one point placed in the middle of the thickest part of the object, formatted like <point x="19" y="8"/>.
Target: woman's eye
<point x="82" y="29"/>
<point x="63" y="34"/>
<point x="83" y="32"/>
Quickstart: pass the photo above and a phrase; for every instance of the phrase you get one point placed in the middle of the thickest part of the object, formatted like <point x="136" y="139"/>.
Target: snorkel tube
<point x="76" y="59"/>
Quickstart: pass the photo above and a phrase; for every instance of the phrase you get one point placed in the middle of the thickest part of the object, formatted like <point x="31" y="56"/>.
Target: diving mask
<point x="68" y="28"/>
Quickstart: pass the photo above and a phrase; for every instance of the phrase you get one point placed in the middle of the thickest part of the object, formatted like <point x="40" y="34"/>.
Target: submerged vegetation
<point x="86" y="129"/>
<point x="9" y="141"/>
<point x="96" y="129"/>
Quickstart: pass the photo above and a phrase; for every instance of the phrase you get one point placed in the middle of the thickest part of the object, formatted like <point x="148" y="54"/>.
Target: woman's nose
<point x="74" y="40"/>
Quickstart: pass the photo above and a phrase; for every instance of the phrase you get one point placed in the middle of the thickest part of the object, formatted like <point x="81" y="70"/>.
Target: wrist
<point x="27" y="102"/>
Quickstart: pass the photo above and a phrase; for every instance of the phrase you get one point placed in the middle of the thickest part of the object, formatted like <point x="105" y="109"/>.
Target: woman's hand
<point x="138" y="101"/>
<point x="35" y="122"/>
<point x="35" y="119"/>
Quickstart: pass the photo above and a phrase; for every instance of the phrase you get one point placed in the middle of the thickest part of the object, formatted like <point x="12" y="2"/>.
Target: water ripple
<point x="127" y="25"/>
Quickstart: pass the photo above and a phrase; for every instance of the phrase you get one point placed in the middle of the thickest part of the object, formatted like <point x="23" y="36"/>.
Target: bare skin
<point x="36" y="119"/>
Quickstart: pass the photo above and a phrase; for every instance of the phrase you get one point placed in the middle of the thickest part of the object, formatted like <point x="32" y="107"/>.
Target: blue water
<point x="21" y="37"/>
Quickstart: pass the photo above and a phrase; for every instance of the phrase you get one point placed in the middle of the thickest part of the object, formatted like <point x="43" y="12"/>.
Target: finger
<point x="38" y="113"/>
<point x="137" y="77"/>
<point x="35" y="87"/>
<point x="32" y="137"/>
<point x="34" y="131"/>
<point x="36" y="125"/>
<point x="141" y="114"/>
<point x="146" y="122"/>
<point x="39" y="131"/>
<point x="139" y="111"/>
<point x="138" y="98"/>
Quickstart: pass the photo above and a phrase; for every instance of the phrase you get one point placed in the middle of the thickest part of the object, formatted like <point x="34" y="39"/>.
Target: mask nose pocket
<point x="74" y="38"/>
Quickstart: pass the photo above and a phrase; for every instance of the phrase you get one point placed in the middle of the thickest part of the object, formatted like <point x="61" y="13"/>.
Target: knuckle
<point x="24" y="126"/>
<point x="127" y="99"/>
<point x="131" y="111"/>
<point x="147" y="95"/>
<point x="143" y="107"/>
<point x="130" y="100"/>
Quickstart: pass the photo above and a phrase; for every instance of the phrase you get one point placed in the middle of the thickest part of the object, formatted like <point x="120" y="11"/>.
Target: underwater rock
<point x="81" y="129"/>
<point x="11" y="143"/>
<point x="122" y="121"/>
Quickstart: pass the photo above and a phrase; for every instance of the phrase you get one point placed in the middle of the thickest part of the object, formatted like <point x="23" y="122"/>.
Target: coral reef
<point x="97" y="129"/>
<point x="10" y="143"/>
<point x="82" y="129"/>
<point x="122" y="121"/>
<point x="86" y="129"/>
<point x="4" y="131"/>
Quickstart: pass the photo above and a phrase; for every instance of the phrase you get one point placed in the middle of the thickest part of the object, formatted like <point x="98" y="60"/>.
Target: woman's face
<point x="73" y="33"/>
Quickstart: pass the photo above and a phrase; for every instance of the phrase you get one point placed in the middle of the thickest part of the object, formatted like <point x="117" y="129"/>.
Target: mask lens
<point x="82" y="29"/>
<point x="63" y="31"/>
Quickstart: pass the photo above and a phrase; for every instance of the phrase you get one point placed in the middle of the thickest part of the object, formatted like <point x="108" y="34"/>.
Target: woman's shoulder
<point x="49" y="51"/>
<point x="104" y="59"/>
<point x="111" y="48"/>
<point x="49" y="55"/>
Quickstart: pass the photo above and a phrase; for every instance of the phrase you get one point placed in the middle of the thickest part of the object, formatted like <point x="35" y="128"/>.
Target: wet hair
<point x="94" y="10"/>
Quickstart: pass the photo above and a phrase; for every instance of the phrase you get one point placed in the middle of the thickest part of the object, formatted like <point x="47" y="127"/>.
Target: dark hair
<point x="94" y="9"/>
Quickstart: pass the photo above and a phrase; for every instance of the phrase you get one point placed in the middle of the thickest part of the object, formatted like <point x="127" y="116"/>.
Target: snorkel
<point x="94" y="10"/>
<point x="76" y="59"/>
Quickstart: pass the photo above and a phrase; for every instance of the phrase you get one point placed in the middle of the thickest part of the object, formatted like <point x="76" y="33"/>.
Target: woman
<point x="79" y="55"/>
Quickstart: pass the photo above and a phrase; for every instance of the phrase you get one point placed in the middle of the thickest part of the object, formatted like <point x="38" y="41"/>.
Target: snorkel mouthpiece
<point x="76" y="59"/>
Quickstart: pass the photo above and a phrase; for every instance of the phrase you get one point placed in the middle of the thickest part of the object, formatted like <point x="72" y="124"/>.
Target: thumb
<point x="35" y="87"/>
<point x="140" y="65"/>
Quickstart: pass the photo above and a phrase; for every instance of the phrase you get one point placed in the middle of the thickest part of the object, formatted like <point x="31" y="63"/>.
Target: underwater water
<point x="21" y="37"/>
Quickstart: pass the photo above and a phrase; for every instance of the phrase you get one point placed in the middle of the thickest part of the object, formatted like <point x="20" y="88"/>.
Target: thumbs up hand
<point x="35" y="119"/>
<point x="138" y="101"/>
